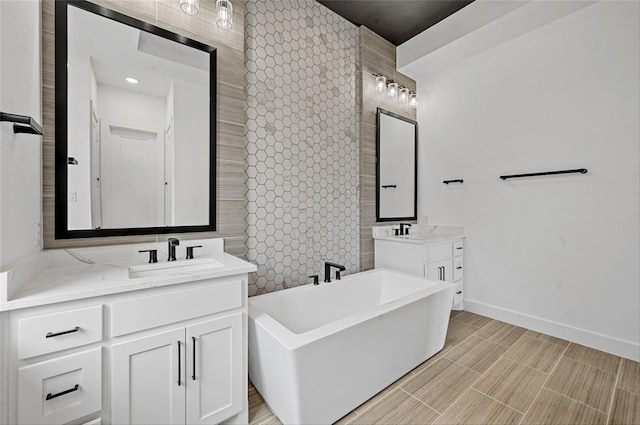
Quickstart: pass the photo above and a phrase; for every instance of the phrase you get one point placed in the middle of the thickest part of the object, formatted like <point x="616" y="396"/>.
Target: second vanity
<point x="99" y="337"/>
<point x="432" y="251"/>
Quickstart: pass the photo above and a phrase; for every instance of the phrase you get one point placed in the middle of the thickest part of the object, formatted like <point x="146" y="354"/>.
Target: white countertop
<point x="420" y="239"/>
<point x="420" y="233"/>
<point x="59" y="283"/>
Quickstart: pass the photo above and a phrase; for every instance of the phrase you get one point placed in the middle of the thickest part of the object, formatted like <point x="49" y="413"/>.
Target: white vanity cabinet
<point x="434" y="258"/>
<point x="166" y="354"/>
<point x="191" y="374"/>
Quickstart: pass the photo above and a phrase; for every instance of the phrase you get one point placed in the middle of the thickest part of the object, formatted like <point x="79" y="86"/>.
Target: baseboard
<point x="619" y="347"/>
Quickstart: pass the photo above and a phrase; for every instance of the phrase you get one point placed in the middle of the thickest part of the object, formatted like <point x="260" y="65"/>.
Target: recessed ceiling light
<point x="131" y="80"/>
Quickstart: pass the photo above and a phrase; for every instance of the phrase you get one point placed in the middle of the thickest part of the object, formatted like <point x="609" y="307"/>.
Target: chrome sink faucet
<point x="173" y="242"/>
<point x="327" y="270"/>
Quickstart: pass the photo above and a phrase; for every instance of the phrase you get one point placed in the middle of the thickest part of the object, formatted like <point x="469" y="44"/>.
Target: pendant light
<point x="190" y="7"/>
<point x="224" y="11"/>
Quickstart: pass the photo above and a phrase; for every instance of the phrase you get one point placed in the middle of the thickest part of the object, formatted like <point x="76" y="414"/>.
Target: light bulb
<point x="413" y="99"/>
<point x="404" y="94"/>
<point x="381" y="83"/>
<point x="392" y="90"/>
<point x="225" y="14"/>
<point x="190" y="7"/>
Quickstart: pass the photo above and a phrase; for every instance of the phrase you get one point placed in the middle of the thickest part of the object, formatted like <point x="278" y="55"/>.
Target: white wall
<point x="20" y="154"/>
<point x="558" y="254"/>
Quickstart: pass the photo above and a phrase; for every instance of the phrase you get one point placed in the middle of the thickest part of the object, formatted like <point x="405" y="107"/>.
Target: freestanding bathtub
<point x="318" y="352"/>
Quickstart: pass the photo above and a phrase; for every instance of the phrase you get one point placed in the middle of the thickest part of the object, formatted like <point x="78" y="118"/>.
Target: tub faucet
<point x="173" y="242"/>
<point x="327" y="270"/>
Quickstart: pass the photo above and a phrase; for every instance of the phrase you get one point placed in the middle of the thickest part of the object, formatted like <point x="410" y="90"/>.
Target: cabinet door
<point x="214" y="370"/>
<point x="441" y="270"/>
<point x="148" y="381"/>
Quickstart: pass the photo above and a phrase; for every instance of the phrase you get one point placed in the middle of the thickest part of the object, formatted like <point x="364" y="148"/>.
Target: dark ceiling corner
<point x="395" y="20"/>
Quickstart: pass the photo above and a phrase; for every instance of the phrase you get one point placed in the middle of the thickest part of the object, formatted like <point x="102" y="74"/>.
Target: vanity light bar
<point x="390" y="88"/>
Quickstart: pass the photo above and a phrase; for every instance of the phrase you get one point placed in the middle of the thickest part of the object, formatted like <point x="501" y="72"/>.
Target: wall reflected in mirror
<point x="138" y="127"/>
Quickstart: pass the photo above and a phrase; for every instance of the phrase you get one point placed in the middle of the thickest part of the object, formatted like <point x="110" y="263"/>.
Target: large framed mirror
<point x="135" y="125"/>
<point x="397" y="163"/>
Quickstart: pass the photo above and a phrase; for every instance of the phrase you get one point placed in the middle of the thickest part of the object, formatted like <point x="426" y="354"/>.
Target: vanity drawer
<point x="49" y="333"/>
<point x="458" y="269"/>
<point x="157" y="310"/>
<point x="60" y="390"/>
<point x="437" y="252"/>
<point x="458" y="248"/>
<point x="457" y="294"/>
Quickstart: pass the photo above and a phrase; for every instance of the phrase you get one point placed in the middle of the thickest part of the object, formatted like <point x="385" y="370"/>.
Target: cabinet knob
<point x="458" y="268"/>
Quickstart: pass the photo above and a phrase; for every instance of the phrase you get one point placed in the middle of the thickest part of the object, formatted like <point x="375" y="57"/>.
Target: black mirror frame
<point x="61" y="176"/>
<point x="415" y="169"/>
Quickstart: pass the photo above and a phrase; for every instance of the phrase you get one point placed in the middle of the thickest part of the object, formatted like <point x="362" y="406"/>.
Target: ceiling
<point x="395" y="20"/>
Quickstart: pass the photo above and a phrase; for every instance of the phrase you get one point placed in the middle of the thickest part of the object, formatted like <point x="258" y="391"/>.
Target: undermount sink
<point x="173" y="267"/>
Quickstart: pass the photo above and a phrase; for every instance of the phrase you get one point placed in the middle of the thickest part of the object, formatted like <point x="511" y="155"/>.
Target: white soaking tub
<point x="318" y="352"/>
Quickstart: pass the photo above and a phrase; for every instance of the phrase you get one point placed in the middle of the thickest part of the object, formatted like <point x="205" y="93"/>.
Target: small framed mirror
<point x="135" y="122"/>
<point x="397" y="163"/>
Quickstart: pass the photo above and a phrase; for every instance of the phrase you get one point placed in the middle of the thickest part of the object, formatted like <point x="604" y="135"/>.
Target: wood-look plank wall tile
<point x="236" y="246"/>
<point x="378" y="44"/>
<point x="231" y="101"/>
<point x="48" y="59"/>
<point x="403" y="80"/>
<point x="231" y="134"/>
<point x="48" y="173"/>
<point x="368" y="162"/>
<point x="47" y="13"/>
<point x="202" y="27"/>
<point x="372" y="63"/>
<point x="143" y="10"/>
<point x="367" y="261"/>
<point x="231" y="153"/>
<point x="368" y="136"/>
<point x="229" y="69"/>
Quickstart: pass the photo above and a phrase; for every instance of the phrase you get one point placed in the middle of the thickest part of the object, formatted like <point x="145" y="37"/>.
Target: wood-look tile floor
<point x="491" y="372"/>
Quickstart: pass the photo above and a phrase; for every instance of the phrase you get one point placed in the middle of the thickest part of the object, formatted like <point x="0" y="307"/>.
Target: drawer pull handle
<point x="459" y="247"/>
<point x="179" y="365"/>
<point x="458" y="268"/>
<point x="70" y="390"/>
<point x="70" y="331"/>
<point x="459" y="292"/>
<point x="193" y="338"/>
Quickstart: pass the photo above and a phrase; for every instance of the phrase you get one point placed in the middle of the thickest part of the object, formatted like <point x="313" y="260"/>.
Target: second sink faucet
<point x="402" y="226"/>
<point x="173" y="242"/>
<point x="327" y="270"/>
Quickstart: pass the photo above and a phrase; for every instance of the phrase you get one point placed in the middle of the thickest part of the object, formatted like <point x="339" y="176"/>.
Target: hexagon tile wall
<point x="302" y="135"/>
